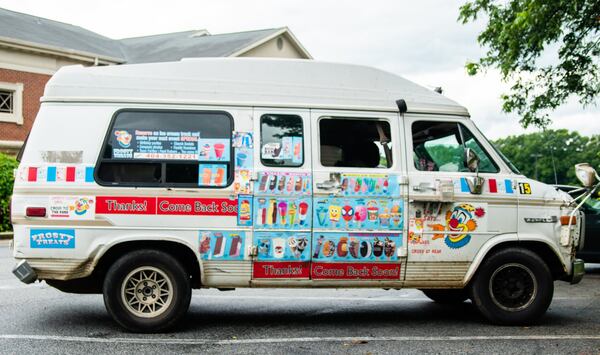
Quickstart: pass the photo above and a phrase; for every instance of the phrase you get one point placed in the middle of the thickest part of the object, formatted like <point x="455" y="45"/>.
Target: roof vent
<point x="200" y="33"/>
<point x="438" y="89"/>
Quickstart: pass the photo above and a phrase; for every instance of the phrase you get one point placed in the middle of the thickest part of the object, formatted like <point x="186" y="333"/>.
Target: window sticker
<point x="72" y="207"/>
<point x="213" y="149"/>
<point x="244" y="159"/>
<point x="212" y="174"/>
<point x="222" y="245"/>
<point x="242" y="140"/>
<point x="244" y="217"/>
<point x="243" y="182"/>
<point x="288" y="148"/>
<point x="148" y="144"/>
<point x="52" y="238"/>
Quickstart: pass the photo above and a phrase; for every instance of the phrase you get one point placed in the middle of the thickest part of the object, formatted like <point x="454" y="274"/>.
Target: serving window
<point x="167" y="148"/>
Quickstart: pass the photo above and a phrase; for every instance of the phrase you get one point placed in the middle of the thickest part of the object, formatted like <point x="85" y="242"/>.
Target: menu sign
<point x="144" y="144"/>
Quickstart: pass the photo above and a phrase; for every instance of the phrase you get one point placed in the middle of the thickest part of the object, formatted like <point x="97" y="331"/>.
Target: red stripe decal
<point x="493" y="186"/>
<point x="125" y="205"/>
<point x="355" y="271"/>
<point x="281" y="270"/>
<point x="32" y="174"/>
<point x="70" y="173"/>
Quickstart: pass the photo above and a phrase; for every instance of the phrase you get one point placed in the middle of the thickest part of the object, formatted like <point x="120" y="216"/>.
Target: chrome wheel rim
<point x="147" y="292"/>
<point x="513" y="287"/>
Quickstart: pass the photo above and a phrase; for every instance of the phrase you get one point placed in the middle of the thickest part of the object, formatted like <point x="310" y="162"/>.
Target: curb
<point x="6" y="235"/>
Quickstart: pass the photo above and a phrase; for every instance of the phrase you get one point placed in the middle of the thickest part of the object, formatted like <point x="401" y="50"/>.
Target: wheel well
<point x="179" y="251"/>
<point x="541" y="249"/>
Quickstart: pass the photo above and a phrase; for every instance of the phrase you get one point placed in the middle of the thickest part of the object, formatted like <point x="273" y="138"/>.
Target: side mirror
<point x="586" y="174"/>
<point x="471" y="160"/>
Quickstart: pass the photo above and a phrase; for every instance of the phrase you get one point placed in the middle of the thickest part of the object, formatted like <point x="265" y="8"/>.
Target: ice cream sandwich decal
<point x="356" y="247"/>
<point x="282" y="246"/>
<point x="222" y="245"/>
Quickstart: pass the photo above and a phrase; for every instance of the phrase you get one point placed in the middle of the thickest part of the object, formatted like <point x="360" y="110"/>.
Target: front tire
<point x="147" y="291"/>
<point x="513" y="287"/>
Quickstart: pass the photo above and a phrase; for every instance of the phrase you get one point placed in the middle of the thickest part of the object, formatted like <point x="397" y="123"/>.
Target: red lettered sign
<point x="197" y="206"/>
<point x="355" y="271"/>
<point x="281" y="270"/>
<point x="125" y="205"/>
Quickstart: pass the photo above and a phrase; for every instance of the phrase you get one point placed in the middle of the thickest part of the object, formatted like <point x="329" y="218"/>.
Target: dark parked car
<point x="590" y="253"/>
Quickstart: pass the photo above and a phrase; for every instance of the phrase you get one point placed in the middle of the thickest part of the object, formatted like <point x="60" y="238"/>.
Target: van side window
<point x="357" y="143"/>
<point x="439" y="146"/>
<point x="281" y="140"/>
<point x="167" y="149"/>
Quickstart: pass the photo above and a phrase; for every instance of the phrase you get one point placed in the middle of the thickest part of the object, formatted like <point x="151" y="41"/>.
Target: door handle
<point x="328" y="185"/>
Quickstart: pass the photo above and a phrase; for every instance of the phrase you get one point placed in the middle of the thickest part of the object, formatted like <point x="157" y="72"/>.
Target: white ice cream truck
<point x="143" y="182"/>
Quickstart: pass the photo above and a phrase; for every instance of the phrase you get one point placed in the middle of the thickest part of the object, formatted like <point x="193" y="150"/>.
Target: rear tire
<point x="447" y="296"/>
<point x="147" y="291"/>
<point x="513" y="287"/>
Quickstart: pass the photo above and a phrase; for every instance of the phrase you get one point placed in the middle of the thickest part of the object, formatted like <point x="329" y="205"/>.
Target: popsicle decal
<point x="271" y="183"/>
<point x="358" y="213"/>
<point x="330" y="247"/>
<point x="282" y="212"/>
<point x="375" y="185"/>
<point x="222" y="245"/>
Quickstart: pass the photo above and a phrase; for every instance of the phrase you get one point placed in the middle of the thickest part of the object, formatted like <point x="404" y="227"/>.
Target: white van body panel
<point x="79" y="107"/>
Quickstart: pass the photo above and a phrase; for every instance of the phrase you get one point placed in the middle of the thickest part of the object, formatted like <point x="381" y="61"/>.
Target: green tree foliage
<point x="7" y="166"/>
<point x="522" y="35"/>
<point x="567" y="149"/>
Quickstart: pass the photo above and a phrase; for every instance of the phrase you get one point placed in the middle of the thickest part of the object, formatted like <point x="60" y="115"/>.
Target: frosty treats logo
<point x="459" y="222"/>
<point x="124" y="138"/>
<point x="52" y="238"/>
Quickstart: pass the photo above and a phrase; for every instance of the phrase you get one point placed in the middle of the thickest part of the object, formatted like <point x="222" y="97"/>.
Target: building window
<point x="160" y="148"/>
<point x="11" y="102"/>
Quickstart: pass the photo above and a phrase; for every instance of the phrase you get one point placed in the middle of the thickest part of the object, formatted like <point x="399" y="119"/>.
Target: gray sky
<point x="420" y="40"/>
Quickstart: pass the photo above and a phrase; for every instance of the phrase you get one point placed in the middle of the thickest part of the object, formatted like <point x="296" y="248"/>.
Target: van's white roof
<point x="247" y="82"/>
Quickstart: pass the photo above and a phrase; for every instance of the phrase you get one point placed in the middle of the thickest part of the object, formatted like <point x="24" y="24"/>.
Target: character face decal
<point x="334" y="213"/>
<point x="124" y="138"/>
<point x="347" y="213"/>
<point x="459" y="222"/>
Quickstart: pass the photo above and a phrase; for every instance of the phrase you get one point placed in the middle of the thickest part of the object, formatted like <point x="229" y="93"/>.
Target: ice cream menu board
<point x="148" y="144"/>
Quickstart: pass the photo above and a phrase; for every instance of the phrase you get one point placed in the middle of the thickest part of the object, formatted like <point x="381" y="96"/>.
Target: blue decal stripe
<point x="89" y="174"/>
<point x="51" y="174"/>
<point x="508" y="185"/>
<point x="464" y="186"/>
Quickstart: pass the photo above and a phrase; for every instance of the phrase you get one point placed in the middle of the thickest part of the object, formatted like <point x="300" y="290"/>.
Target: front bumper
<point x="578" y="268"/>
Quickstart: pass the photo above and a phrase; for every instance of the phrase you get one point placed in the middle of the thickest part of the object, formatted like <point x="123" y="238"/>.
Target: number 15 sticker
<point x="524" y="188"/>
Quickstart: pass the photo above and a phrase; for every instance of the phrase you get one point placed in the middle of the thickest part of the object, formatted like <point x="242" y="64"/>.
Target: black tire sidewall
<point x="480" y="293"/>
<point x="170" y="267"/>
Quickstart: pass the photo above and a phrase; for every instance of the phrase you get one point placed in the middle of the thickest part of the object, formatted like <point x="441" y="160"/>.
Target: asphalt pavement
<point x="39" y="319"/>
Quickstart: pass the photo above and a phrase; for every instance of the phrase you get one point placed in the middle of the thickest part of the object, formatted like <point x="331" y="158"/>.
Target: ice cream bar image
<point x="298" y="183"/>
<point x="278" y="247"/>
<point x="282" y="206"/>
<point x="292" y="213"/>
<point x="281" y="184"/>
<point x="219" y="245"/>
<point x="205" y="243"/>
<point x="342" y="247"/>
<point x="263" y="183"/>
<point x="354" y="247"/>
<point x="273" y="183"/>
<point x="318" y="247"/>
<point x="293" y="246"/>
<point x="377" y="247"/>
<point x="365" y="249"/>
<point x="236" y="243"/>
<point x="389" y="247"/>
<point x="328" y="248"/>
<point x="290" y="184"/>
<point x="303" y="210"/>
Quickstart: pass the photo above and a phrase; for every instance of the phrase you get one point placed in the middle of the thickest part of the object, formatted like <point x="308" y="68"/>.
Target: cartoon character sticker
<point x="460" y="222"/>
<point x="123" y="138"/>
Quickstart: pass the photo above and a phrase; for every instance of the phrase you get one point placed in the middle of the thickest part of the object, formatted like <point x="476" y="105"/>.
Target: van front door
<point x="357" y="209"/>
<point x="449" y="220"/>
<point x="282" y="201"/>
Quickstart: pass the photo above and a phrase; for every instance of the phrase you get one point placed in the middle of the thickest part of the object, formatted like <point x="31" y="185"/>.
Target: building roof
<point x="38" y="30"/>
<point x="190" y="44"/>
<point x="33" y="31"/>
<point x="247" y="82"/>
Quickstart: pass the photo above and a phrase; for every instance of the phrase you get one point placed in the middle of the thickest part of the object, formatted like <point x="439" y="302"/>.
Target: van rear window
<point x="156" y="148"/>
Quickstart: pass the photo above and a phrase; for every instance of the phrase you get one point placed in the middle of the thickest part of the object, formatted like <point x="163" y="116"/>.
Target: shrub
<point x="7" y="166"/>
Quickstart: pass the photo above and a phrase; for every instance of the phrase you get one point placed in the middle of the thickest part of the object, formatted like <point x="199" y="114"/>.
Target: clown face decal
<point x="460" y="221"/>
